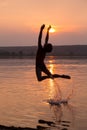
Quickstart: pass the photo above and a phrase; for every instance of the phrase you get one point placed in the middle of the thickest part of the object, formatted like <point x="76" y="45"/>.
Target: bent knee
<point x="39" y="78"/>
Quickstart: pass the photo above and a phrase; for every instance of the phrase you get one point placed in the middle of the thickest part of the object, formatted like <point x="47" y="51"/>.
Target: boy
<point x="40" y="56"/>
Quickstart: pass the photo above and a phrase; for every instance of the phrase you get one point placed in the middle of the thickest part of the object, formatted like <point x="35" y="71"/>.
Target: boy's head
<point x="48" y="47"/>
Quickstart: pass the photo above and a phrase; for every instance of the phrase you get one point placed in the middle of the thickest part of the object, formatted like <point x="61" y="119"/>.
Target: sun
<point x="52" y="30"/>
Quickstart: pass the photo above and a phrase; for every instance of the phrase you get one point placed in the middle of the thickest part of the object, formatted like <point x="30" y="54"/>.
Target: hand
<point x="49" y="27"/>
<point x="43" y="26"/>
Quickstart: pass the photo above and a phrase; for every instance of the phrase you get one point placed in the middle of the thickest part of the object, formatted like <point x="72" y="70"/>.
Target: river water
<point x="23" y="98"/>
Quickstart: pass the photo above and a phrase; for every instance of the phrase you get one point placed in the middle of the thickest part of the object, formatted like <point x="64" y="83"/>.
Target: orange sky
<point x="20" y="21"/>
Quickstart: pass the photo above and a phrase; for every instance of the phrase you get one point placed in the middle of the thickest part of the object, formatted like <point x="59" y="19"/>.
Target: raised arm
<point x="40" y="35"/>
<point x="47" y="36"/>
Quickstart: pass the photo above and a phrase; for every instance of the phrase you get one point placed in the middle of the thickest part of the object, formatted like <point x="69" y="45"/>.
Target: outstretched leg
<point x="61" y="76"/>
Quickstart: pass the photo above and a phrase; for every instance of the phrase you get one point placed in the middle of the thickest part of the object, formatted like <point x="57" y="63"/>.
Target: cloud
<point x="18" y="38"/>
<point x="70" y="38"/>
<point x="30" y="38"/>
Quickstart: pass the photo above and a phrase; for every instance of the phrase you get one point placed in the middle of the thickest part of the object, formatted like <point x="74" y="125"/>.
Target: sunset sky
<point x="20" y="21"/>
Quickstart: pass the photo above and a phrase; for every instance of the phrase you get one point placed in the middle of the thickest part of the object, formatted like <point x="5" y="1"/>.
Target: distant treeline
<point x="27" y="51"/>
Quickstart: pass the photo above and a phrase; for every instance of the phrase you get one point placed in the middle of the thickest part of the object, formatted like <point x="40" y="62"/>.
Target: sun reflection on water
<point x="54" y="90"/>
<point x="59" y="88"/>
<point x="51" y="83"/>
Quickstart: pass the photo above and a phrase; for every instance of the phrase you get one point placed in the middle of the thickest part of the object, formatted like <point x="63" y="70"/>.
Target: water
<point x="23" y="98"/>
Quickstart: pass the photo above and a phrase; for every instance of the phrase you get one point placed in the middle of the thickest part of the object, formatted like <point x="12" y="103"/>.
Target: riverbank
<point x="30" y="51"/>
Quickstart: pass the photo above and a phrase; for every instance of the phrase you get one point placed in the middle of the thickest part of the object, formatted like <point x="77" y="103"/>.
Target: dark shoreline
<point x="2" y="127"/>
<point x="50" y="57"/>
<point x="67" y="51"/>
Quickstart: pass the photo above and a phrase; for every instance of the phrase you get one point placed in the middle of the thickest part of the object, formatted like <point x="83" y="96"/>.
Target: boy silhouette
<point x="40" y="56"/>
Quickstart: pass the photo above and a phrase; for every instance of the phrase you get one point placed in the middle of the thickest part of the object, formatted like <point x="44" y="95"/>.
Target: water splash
<point x="59" y="95"/>
<point x="58" y="92"/>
